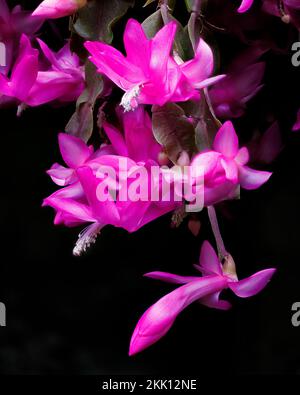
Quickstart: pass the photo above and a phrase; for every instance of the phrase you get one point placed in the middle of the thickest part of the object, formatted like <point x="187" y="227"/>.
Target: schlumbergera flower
<point x="159" y="318"/>
<point x="63" y="80"/>
<point x="149" y="74"/>
<point x="225" y="167"/>
<point x="287" y="10"/>
<point x="52" y="9"/>
<point x="89" y="173"/>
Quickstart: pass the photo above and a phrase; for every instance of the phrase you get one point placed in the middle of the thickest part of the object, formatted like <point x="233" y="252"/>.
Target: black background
<point x="69" y="315"/>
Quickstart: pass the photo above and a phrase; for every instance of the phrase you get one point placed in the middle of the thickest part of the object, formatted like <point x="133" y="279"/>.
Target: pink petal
<point x="139" y="138"/>
<point x="209" y="260"/>
<point x="226" y="141"/>
<point x="73" y="150"/>
<point x="61" y="175"/>
<point x="252" y="285"/>
<point x="245" y="5"/>
<point x="201" y="67"/>
<point x="161" y="46"/>
<point x="116" y="139"/>
<point x="231" y="170"/>
<point x="106" y="212"/>
<point x="114" y="65"/>
<point x="252" y="179"/>
<point x="71" y="207"/>
<point x="159" y="318"/>
<point x="242" y="156"/>
<point x="137" y="45"/>
<point x="213" y="301"/>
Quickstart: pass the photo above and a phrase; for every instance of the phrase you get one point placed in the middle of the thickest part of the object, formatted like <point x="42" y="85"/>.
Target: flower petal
<point x="209" y="260"/>
<point x="252" y="285"/>
<point x="159" y="318"/>
<point x="245" y="5"/>
<point x="73" y="150"/>
<point x="252" y="179"/>
<point x="226" y="141"/>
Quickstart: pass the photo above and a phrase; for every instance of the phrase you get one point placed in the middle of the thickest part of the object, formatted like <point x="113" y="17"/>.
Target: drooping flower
<point x="242" y="82"/>
<point x="159" y="318"/>
<point x="52" y="9"/>
<point x="149" y="74"/>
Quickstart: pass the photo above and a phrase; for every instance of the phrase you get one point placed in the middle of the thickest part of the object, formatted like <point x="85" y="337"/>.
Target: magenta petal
<point x="245" y="5"/>
<point x="70" y="207"/>
<point x="116" y="139"/>
<point x="252" y="285"/>
<point x="106" y="211"/>
<point x="213" y="301"/>
<point x="242" y="156"/>
<point x="73" y="150"/>
<point x="137" y="45"/>
<point x="61" y="175"/>
<point x="159" y="318"/>
<point x="201" y="67"/>
<point x="114" y="65"/>
<point x="231" y="170"/>
<point x="209" y="260"/>
<point x="24" y="76"/>
<point x="226" y="141"/>
<point x="252" y="179"/>
<point x="161" y="46"/>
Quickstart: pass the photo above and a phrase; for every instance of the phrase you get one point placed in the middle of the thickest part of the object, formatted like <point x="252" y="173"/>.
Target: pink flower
<point x="63" y="81"/>
<point x="228" y="164"/>
<point x="149" y="74"/>
<point x="296" y="126"/>
<point x="159" y="318"/>
<point x="242" y="82"/>
<point x="52" y="9"/>
<point x="79" y="202"/>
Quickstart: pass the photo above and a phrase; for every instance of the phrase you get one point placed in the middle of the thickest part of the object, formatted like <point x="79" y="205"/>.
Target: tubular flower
<point x="52" y="9"/>
<point x="159" y="318"/>
<point x="149" y="74"/>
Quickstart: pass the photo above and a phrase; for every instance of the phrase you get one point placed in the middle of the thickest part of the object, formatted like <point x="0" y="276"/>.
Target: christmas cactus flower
<point x="149" y="74"/>
<point x="63" y="81"/>
<point x="159" y="318"/>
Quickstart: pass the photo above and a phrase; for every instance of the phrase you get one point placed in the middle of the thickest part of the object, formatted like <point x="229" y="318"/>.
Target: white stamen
<point x="129" y="100"/>
<point x="86" y="238"/>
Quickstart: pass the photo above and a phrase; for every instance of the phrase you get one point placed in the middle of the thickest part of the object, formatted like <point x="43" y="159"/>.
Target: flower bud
<point x="53" y="9"/>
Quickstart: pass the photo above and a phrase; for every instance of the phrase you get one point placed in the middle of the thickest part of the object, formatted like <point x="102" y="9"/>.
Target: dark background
<point x="76" y="315"/>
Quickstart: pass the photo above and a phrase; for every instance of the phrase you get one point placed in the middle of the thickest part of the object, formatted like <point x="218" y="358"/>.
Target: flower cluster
<point x="162" y="147"/>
